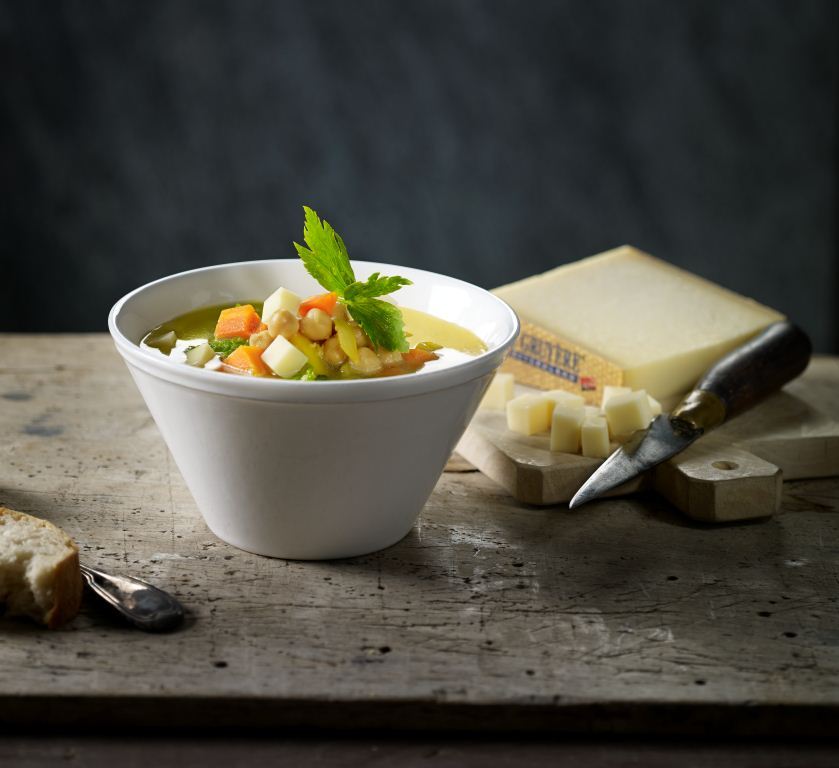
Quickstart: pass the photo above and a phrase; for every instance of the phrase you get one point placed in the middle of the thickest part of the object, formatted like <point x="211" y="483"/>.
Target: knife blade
<point x="732" y="385"/>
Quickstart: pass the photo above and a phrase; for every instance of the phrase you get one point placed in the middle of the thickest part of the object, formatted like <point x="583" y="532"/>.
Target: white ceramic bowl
<point x="309" y="470"/>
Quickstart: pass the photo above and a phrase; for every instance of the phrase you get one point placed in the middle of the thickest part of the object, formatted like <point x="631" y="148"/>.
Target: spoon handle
<point x="145" y="606"/>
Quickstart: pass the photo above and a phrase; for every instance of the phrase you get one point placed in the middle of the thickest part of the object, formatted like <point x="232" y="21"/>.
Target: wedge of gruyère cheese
<point x="625" y="318"/>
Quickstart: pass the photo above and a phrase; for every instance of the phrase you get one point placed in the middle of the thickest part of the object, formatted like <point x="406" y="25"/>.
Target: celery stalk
<point x="311" y="351"/>
<point x="346" y="340"/>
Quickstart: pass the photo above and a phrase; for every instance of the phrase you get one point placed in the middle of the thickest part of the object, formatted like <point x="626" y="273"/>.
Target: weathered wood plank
<point x="603" y="618"/>
<point x="208" y="751"/>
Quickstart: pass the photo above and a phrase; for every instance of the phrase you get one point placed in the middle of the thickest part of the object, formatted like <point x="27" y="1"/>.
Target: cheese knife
<point x="732" y="385"/>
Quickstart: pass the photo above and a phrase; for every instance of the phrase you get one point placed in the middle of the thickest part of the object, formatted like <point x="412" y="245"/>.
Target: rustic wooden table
<point x="620" y="618"/>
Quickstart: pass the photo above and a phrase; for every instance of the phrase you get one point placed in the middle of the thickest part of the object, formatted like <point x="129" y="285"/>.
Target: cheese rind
<point x="529" y="414"/>
<point x="565" y="427"/>
<point x="499" y="392"/>
<point x="662" y="326"/>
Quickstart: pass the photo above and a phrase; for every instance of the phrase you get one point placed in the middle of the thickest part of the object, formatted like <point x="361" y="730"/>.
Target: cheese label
<point x="544" y="360"/>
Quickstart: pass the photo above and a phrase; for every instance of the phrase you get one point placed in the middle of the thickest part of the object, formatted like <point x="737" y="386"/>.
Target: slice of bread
<point x="39" y="570"/>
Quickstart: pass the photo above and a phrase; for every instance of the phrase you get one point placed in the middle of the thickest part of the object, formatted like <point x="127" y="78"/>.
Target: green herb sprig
<point x="225" y="347"/>
<point x="326" y="259"/>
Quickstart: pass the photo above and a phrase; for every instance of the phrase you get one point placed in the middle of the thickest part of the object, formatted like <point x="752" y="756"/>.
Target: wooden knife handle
<point x="745" y="376"/>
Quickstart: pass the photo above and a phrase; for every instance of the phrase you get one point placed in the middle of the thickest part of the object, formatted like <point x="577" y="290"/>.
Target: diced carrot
<point x="417" y="357"/>
<point x="249" y="360"/>
<point x="237" y="322"/>
<point x="394" y="370"/>
<point x="324" y="301"/>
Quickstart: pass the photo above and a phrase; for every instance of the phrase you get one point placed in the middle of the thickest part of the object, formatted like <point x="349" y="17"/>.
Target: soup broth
<point x="439" y="344"/>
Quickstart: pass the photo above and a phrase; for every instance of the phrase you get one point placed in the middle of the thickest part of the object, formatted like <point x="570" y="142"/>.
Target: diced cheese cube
<point x="283" y="357"/>
<point x="529" y="414"/>
<point x="282" y="298"/>
<point x="499" y="392"/>
<point x="594" y="438"/>
<point x="609" y="392"/>
<point x="592" y="411"/>
<point x="565" y="427"/>
<point x="655" y="406"/>
<point x="628" y="412"/>
<point x="565" y="397"/>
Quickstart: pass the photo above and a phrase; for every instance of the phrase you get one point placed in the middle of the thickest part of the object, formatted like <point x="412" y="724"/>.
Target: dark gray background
<point x="489" y="140"/>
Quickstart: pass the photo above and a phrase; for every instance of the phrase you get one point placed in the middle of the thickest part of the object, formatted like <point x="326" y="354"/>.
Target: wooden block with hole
<point x="717" y="483"/>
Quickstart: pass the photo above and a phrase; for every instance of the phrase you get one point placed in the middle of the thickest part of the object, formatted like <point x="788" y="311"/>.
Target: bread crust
<point x="67" y="581"/>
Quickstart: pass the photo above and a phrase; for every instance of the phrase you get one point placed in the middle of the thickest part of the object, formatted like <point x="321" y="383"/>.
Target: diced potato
<point x="165" y="342"/>
<point x="609" y="392"/>
<point x="283" y="357"/>
<point x="565" y="397"/>
<point x="628" y="412"/>
<point x="499" y="392"/>
<point x="594" y="438"/>
<point x="280" y="299"/>
<point x="566" y="421"/>
<point x="655" y="406"/>
<point x="368" y="362"/>
<point x="201" y="355"/>
<point x="389" y="356"/>
<point x="529" y="414"/>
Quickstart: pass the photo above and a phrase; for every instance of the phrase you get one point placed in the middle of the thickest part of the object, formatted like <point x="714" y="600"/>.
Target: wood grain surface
<point x="620" y="618"/>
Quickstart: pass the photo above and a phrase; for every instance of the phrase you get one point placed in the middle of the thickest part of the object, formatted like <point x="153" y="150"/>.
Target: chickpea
<point x="261" y="339"/>
<point x="340" y="312"/>
<point x="368" y="362"/>
<point x="283" y="323"/>
<point x="389" y="357"/>
<point x="317" y="325"/>
<point x="361" y="339"/>
<point x="333" y="353"/>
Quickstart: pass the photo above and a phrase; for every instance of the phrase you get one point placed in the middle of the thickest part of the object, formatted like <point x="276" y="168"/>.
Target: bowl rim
<point x="294" y="391"/>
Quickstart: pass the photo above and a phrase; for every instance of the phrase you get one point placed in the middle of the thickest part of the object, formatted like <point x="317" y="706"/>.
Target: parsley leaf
<point x="306" y="373"/>
<point x="326" y="258"/>
<point x="381" y="321"/>
<point x="224" y="347"/>
<point x="374" y="286"/>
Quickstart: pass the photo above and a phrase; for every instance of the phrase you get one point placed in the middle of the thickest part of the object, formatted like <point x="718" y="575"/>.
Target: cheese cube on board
<point x="660" y="325"/>
<point x="592" y="411"/>
<point x="565" y="427"/>
<point x="282" y="298"/>
<point x="594" y="438"/>
<point x="499" y="392"/>
<point x="609" y="392"/>
<point x="564" y="397"/>
<point x="529" y="414"/>
<point x="283" y="357"/>
<point x="628" y="412"/>
<point x="655" y="406"/>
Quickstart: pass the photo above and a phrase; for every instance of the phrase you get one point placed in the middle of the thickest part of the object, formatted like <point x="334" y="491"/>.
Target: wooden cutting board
<point x="734" y="473"/>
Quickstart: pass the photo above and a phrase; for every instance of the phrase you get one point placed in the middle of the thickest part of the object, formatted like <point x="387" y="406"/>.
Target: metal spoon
<point x="146" y="607"/>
